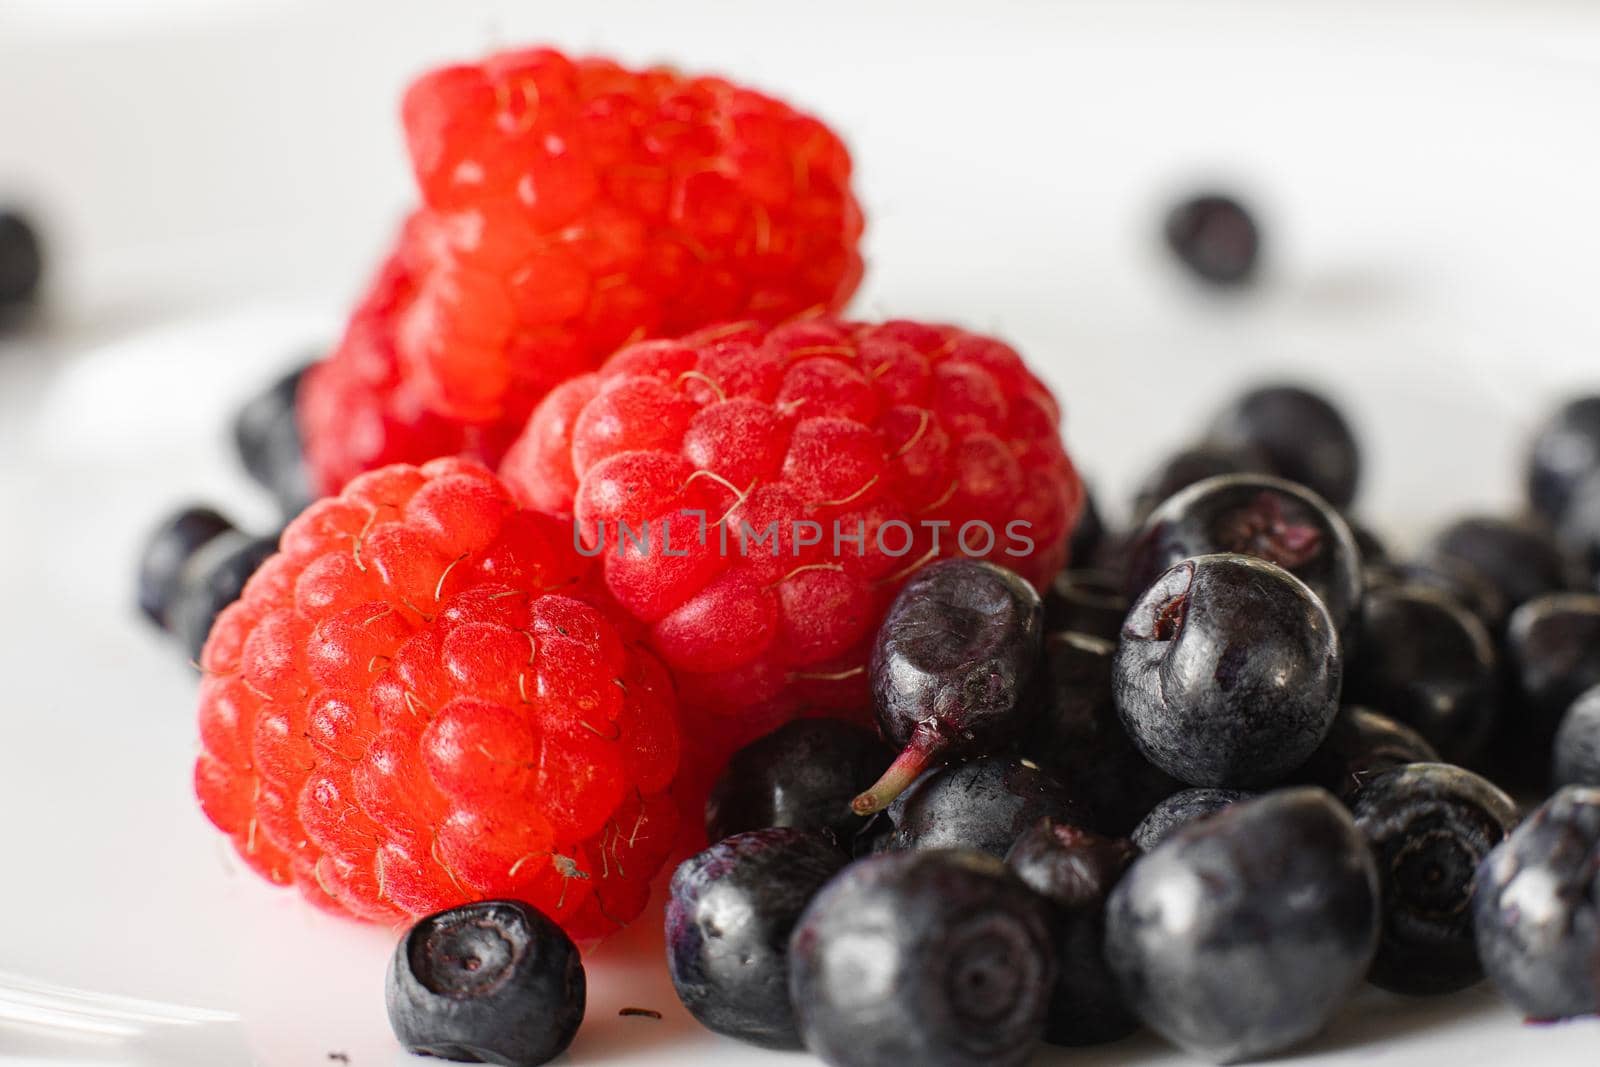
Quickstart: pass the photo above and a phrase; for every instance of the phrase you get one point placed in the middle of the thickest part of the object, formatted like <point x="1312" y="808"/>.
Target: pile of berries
<point x="802" y="578"/>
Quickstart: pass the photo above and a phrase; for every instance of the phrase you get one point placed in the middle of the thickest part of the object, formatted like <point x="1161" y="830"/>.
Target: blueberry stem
<point x="926" y="743"/>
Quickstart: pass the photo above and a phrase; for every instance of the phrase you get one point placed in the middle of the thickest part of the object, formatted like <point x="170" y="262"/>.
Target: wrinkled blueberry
<point x="1228" y="672"/>
<point x="1192" y="465"/>
<point x="1255" y="515"/>
<point x="267" y="437"/>
<point x="1179" y="810"/>
<point x="1554" y="646"/>
<point x="1076" y="870"/>
<point x="1566" y="451"/>
<point x="803" y="774"/>
<point x="1428" y="662"/>
<point x="1429" y="825"/>
<point x="1077" y="737"/>
<point x="1577" y="749"/>
<point x="950" y="660"/>
<point x="941" y="958"/>
<point x="1360" y="744"/>
<point x="492" y="982"/>
<point x="1244" y="933"/>
<point x="732" y="910"/>
<point x="1302" y="434"/>
<point x="1519" y="559"/>
<point x="982" y="805"/>
<point x="1537" y="909"/>
<point x="1214" y="236"/>
<point x="167" y="553"/>
<point x="1086" y="602"/>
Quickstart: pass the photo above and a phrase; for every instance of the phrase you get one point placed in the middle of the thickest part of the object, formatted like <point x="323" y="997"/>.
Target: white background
<point x="217" y="178"/>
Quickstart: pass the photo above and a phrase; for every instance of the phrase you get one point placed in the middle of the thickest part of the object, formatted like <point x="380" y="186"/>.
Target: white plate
<point x="1427" y="183"/>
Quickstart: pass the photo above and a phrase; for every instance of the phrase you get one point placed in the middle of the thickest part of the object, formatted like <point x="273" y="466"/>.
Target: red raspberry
<point x="420" y="702"/>
<point x="882" y="431"/>
<point x="570" y="206"/>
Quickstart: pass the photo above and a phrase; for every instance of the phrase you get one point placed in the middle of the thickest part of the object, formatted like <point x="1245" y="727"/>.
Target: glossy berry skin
<point x="1304" y="437"/>
<point x="166" y="555"/>
<point x="421" y="701"/>
<point x="1215" y="237"/>
<point x="266" y="435"/>
<point x="1428" y="662"/>
<point x="1360" y="744"/>
<point x="882" y="431"/>
<point x="802" y="775"/>
<point x="1553" y="644"/>
<point x="1179" y="810"/>
<point x="1086" y="602"/>
<point x="214" y="578"/>
<point x="1228" y="672"/>
<point x="1195" y="464"/>
<point x="490" y="982"/>
<point x="1429" y="825"/>
<point x="1452" y="579"/>
<point x="951" y="662"/>
<point x="1519" y="559"/>
<point x="570" y="206"/>
<point x="1076" y="870"/>
<point x="983" y="806"/>
<point x="1261" y="516"/>
<point x="732" y="910"/>
<point x="1565" y="454"/>
<point x="1535" y="913"/>
<point x="1077" y="737"/>
<point x="21" y="262"/>
<point x="1577" y="748"/>
<point x="1243" y="934"/>
<point x="941" y="958"/>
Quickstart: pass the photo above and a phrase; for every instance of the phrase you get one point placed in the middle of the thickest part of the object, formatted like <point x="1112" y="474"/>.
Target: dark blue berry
<point x="1228" y="672"/>
<point x="1429" y="825"/>
<point x="1214" y="236"/>
<point x="1077" y="737"/>
<point x="267" y="437"/>
<point x="1244" y="933"/>
<point x="1537" y="909"/>
<point x="1088" y="534"/>
<point x="492" y="982"/>
<point x="941" y="958"/>
<point x="1261" y="516"/>
<point x="732" y="910"/>
<point x="1428" y="662"/>
<point x="1372" y="548"/>
<point x="1303" y="435"/>
<point x="167" y="553"/>
<point x="1553" y="643"/>
<point x="1179" y="810"/>
<point x="1577" y="749"/>
<point x="1196" y="464"/>
<point x="1453" y="579"/>
<point x="1579" y="528"/>
<point x="1565" y="453"/>
<point x="1360" y="744"/>
<point x="1519" y="559"/>
<point x="983" y="805"/>
<point x="21" y="262"/>
<point x="955" y="651"/>
<point x="1076" y="870"/>
<point x="1086" y="602"/>
<point x="804" y="775"/>
<point x="213" y="579"/>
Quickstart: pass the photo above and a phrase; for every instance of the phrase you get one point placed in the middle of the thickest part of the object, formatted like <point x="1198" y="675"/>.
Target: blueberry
<point x="1360" y="744"/>
<point x="1228" y="672"/>
<point x="1087" y="602"/>
<point x="1519" y="559"/>
<point x="213" y="579"/>
<point x="1537" y="909"/>
<point x="1460" y="583"/>
<point x="1566" y="452"/>
<point x="267" y="437"/>
<point x="1428" y="662"/>
<point x="1077" y="737"/>
<point x="167" y="553"/>
<point x="1429" y="825"/>
<point x="1554" y="646"/>
<point x="492" y="982"/>
<point x="1244" y="933"/>
<point x="1192" y="465"/>
<point x="732" y="910"/>
<point x="955" y="651"/>
<point x="1303" y="435"/>
<point x="1261" y="516"/>
<point x="1179" y="810"/>
<point x="21" y="261"/>
<point x="1076" y="870"/>
<point x="1577" y="748"/>
<point x="941" y="958"/>
<point x="1214" y="236"/>
<point x="1579" y="529"/>
<point x="983" y="805"/>
<point x="801" y="775"/>
<point x="1088" y="534"/>
<point x="1372" y="548"/>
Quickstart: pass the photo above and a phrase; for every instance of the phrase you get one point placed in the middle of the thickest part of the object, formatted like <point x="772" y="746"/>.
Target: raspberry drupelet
<point x="423" y="700"/>
<point x="908" y="441"/>
<point x="569" y="206"/>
